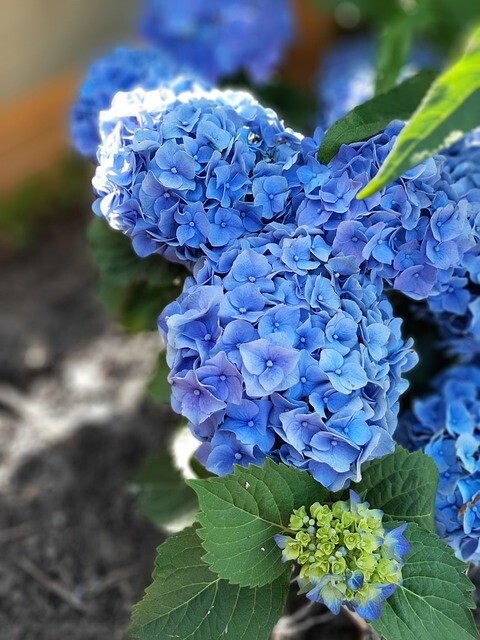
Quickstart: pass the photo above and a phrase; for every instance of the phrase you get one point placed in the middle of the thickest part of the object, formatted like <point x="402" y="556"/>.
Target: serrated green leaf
<point x="374" y="115"/>
<point x="403" y="485"/>
<point x="241" y="513"/>
<point x="434" y="601"/>
<point x="158" y="386"/>
<point x="133" y="289"/>
<point x="450" y="109"/>
<point x="162" y="494"/>
<point x="188" y="602"/>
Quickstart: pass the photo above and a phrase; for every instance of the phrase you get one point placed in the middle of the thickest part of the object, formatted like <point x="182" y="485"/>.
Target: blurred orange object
<point x="315" y="32"/>
<point x="33" y="129"/>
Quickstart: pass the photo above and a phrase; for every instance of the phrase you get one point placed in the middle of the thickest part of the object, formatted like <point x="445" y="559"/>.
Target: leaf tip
<point x="369" y="190"/>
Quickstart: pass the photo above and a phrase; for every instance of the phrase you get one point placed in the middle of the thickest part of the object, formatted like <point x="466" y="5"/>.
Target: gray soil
<point x="75" y="554"/>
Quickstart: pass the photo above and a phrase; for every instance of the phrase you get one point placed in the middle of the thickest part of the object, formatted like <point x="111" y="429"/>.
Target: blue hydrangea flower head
<point x="187" y="173"/>
<point x="415" y="234"/>
<point x="347" y="74"/>
<point x="220" y="38"/>
<point x="122" y="69"/>
<point x="346" y="556"/>
<point x="288" y="356"/>
<point x="446" y="426"/>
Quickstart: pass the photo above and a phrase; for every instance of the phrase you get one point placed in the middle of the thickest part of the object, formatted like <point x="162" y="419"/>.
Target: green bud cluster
<point x="347" y="542"/>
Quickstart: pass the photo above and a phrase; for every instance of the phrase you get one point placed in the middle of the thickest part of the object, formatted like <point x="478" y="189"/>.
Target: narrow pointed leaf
<point x="394" y="47"/>
<point x="450" y="109"/>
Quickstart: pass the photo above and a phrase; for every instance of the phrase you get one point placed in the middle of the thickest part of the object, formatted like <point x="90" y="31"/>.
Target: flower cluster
<point x="186" y="174"/>
<point x="290" y="355"/>
<point x="345" y="554"/>
<point x="446" y="425"/>
<point x="347" y="75"/>
<point x="221" y="38"/>
<point x="457" y="310"/>
<point x="413" y="234"/>
<point x="122" y="69"/>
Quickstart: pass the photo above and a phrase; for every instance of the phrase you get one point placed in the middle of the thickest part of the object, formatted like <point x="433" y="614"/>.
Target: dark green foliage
<point x="134" y="290"/>
<point x="161" y="493"/>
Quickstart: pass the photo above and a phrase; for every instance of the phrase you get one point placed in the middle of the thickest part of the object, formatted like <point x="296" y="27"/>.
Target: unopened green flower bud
<point x="297" y="518"/>
<point x="345" y="554"/>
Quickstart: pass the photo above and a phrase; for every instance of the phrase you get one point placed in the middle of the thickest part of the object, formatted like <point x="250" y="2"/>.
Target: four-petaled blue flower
<point x="267" y="365"/>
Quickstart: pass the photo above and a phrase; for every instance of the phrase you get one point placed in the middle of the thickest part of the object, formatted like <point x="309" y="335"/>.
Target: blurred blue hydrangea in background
<point x="122" y="69"/>
<point x="347" y="74"/>
<point x="221" y="38"/>
<point x="290" y="355"/>
<point x="446" y="425"/>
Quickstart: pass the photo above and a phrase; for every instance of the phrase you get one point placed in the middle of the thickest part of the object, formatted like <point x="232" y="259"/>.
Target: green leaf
<point x="241" y="513"/>
<point x="403" y="485"/>
<point x="374" y="115"/>
<point x="394" y="47"/>
<point x="188" y="602"/>
<point x="434" y="600"/>
<point x="450" y="109"/>
<point x="158" y="386"/>
<point x="162" y="494"/>
<point x="133" y="289"/>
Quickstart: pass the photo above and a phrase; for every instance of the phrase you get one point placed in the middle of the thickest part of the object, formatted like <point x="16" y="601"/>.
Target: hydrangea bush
<point x="221" y="38"/>
<point x="283" y="351"/>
